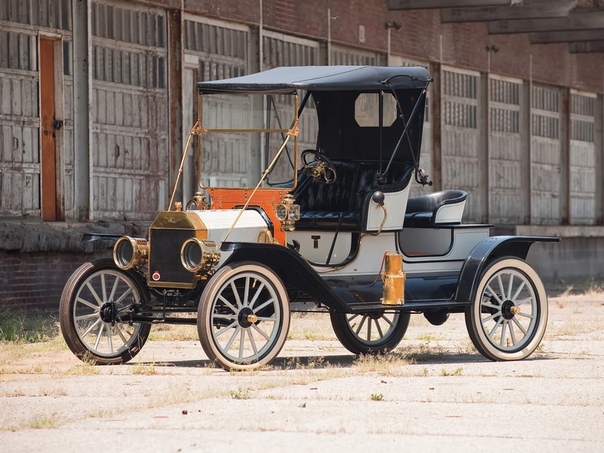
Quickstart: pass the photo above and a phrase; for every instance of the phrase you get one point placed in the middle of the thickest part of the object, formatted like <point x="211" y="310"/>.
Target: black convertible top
<point x="322" y="78"/>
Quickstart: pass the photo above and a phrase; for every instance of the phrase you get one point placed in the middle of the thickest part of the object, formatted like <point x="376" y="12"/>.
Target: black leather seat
<point x="422" y="210"/>
<point x="329" y="205"/>
<point x="343" y="204"/>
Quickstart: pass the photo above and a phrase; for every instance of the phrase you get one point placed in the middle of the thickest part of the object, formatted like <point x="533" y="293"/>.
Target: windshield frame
<point x="265" y="162"/>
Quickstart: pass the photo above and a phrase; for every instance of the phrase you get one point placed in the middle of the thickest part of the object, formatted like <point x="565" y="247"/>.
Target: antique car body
<point x="340" y="235"/>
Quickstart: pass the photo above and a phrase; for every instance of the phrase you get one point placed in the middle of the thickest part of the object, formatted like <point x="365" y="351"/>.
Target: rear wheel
<point x="94" y="296"/>
<point x="508" y="318"/>
<point x="370" y="333"/>
<point x="243" y="316"/>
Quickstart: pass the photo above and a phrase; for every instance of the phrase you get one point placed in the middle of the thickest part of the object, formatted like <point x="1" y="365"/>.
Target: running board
<point x="416" y="306"/>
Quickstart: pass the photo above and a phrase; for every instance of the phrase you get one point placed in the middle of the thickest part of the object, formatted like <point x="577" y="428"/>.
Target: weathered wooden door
<point x="462" y="154"/>
<point x="215" y="51"/>
<point x="546" y="156"/>
<point x="508" y="170"/>
<point x="583" y="158"/>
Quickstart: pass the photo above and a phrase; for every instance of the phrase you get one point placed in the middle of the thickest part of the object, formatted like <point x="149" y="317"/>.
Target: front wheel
<point x="508" y="318"/>
<point x="370" y="333"/>
<point x="94" y="298"/>
<point x="243" y="316"/>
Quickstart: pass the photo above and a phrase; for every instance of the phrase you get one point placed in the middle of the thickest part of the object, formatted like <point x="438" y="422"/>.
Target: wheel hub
<point x="246" y="317"/>
<point x="509" y="309"/>
<point x="108" y="312"/>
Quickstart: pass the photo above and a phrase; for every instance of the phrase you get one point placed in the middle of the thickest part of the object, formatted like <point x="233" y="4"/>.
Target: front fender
<point x="488" y="250"/>
<point x="293" y="270"/>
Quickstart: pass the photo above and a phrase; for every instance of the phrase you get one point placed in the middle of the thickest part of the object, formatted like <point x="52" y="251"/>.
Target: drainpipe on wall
<point x="82" y="87"/>
<point x="328" y="36"/>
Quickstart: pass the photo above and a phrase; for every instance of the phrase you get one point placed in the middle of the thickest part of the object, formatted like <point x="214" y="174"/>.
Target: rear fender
<point x="293" y="270"/>
<point x="488" y="250"/>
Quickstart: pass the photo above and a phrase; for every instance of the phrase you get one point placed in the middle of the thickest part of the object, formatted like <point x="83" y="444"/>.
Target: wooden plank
<point x="29" y="187"/>
<point x="48" y="143"/>
<point x="437" y="4"/>
<point x="6" y="139"/>
<point x="575" y="21"/>
<point x="567" y="36"/>
<point x="5" y="94"/>
<point x="587" y="47"/>
<point x="28" y="144"/>
<point x="533" y="10"/>
<point x="29" y="99"/>
<point x="16" y="108"/>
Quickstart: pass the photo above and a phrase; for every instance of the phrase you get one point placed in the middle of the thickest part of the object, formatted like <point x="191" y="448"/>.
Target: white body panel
<point x="219" y="221"/>
<point x="367" y="262"/>
<point x="450" y="213"/>
<point x="395" y="203"/>
<point x="315" y="246"/>
<point x="425" y="250"/>
<point x="430" y="251"/>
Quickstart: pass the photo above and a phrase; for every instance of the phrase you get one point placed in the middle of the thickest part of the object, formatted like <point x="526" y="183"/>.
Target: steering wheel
<point x="321" y="167"/>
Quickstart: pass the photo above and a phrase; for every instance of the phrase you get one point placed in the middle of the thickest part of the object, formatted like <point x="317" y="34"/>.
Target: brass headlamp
<point x="199" y="202"/>
<point x="287" y="212"/>
<point x="199" y="256"/>
<point x="129" y="252"/>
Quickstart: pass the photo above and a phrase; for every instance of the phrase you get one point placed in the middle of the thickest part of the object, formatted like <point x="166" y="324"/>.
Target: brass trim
<point x="393" y="279"/>
<point x="140" y="252"/>
<point x="252" y="318"/>
<point x="265" y="237"/>
<point x="209" y="256"/>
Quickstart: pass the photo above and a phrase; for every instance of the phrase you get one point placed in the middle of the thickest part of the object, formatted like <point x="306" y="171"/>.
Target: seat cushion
<point x="423" y="211"/>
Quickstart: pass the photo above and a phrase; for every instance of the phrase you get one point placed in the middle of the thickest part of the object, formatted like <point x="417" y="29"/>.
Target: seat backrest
<point x="355" y="184"/>
<point x="318" y="196"/>
<point x="396" y="179"/>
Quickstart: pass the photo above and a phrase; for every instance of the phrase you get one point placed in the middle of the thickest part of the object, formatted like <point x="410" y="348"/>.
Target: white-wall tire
<point x="243" y="317"/>
<point x="508" y="317"/>
<point x="91" y="288"/>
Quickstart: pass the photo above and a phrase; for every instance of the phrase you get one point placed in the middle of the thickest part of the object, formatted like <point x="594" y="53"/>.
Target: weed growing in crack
<point x="242" y="393"/>
<point x="457" y="372"/>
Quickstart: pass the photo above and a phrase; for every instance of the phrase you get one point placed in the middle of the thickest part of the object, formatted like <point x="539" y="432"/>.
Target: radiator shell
<point x="171" y="229"/>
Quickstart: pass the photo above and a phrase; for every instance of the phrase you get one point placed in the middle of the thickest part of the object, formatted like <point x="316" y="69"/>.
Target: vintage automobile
<point x="332" y="228"/>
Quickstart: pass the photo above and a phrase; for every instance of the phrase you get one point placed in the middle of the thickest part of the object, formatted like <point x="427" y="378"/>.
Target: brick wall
<point x="421" y="37"/>
<point x="36" y="258"/>
<point x="35" y="280"/>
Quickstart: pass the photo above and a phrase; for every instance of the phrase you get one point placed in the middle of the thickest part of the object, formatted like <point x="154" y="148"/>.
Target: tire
<point x="92" y="286"/>
<point x="370" y="333"/>
<point x="508" y="318"/>
<point x="243" y="317"/>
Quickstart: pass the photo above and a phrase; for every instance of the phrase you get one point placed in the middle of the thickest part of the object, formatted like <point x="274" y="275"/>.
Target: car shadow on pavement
<point x="283" y="363"/>
<point x="350" y="360"/>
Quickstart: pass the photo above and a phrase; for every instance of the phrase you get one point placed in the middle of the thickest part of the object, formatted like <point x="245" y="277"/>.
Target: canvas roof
<point x="322" y="78"/>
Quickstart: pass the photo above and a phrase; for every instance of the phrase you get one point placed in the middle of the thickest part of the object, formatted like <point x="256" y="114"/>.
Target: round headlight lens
<point x="199" y="256"/>
<point x="281" y="212"/>
<point x="129" y="252"/>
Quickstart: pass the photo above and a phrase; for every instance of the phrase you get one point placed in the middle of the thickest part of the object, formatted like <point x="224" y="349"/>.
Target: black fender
<point x="488" y="250"/>
<point x="293" y="270"/>
<point x="93" y="237"/>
